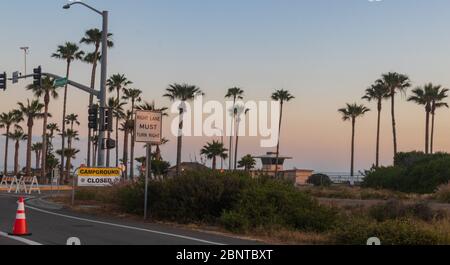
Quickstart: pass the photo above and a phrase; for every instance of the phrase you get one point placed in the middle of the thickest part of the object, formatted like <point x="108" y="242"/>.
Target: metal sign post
<point x="148" y="129"/>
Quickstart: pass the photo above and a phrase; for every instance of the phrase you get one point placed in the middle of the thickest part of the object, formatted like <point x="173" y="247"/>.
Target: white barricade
<point x="32" y="182"/>
<point x="20" y="186"/>
<point x="9" y="183"/>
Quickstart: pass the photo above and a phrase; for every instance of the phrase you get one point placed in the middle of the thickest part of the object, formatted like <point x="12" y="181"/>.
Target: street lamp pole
<point x="25" y="51"/>
<point x="104" y="71"/>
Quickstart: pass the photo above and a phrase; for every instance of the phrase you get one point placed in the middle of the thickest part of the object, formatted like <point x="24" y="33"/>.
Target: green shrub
<point x="130" y="198"/>
<point x="234" y="221"/>
<point x="356" y="231"/>
<point x="413" y="173"/>
<point x="276" y="204"/>
<point x="412" y="158"/>
<point x="384" y="178"/>
<point x="320" y="180"/>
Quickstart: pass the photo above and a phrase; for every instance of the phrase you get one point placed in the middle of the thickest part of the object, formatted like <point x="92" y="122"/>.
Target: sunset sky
<point x="326" y="52"/>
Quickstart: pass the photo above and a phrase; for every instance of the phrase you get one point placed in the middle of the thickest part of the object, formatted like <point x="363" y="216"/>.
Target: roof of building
<point x="273" y="155"/>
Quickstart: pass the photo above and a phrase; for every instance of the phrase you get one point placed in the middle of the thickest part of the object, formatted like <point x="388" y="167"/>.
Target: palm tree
<point x="32" y="110"/>
<point x="118" y="82"/>
<point x="183" y="93"/>
<point x="94" y="140"/>
<point x="377" y="92"/>
<point x="240" y="111"/>
<point x="133" y="95"/>
<point x="214" y="150"/>
<point x="424" y="96"/>
<point x="94" y="37"/>
<point x="6" y="121"/>
<point x="117" y="109"/>
<point x="126" y="127"/>
<point x="68" y="52"/>
<point x="351" y="113"/>
<point x="18" y="135"/>
<point x="48" y="91"/>
<point x="439" y="94"/>
<point x="282" y="96"/>
<point x="71" y="120"/>
<point x="70" y="154"/>
<point x="37" y="149"/>
<point x="247" y="162"/>
<point x="52" y="128"/>
<point x="395" y="82"/>
<point x="234" y="93"/>
<point x="71" y="135"/>
<point x="158" y="155"/>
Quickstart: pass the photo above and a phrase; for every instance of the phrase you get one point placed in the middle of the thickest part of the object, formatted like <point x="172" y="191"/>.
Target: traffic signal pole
<point x="102" y="94"/>
<point x="72" y="83"/>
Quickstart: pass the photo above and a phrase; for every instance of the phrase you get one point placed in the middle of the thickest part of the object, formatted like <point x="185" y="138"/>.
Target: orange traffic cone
<point x="20" y="226"/>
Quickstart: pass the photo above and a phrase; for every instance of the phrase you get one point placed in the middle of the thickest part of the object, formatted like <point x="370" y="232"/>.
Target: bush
<point x="413" y="173"/>
<point x="320" y="180"/>
<point x="412" y="158"/>
<point x="395" y="209"/>
<point x="273" y="203"/>
<point x="357" y="231"/>
<point x="443" y="194"/>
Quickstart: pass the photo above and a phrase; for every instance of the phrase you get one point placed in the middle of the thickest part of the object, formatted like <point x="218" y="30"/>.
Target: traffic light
<point x="109" y="120"/>
<point x="37" y="76"/>
<point x="93" y="118"/>
<point x="3" y="78"/>
<point x="108" y="144"/>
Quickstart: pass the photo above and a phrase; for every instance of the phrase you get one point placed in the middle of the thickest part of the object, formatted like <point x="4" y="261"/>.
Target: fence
<point x="344" y="178"/>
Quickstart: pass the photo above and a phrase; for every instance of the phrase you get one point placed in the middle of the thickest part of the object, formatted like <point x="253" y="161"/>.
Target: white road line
<point x="126" y="227"/>
<point x="21" y="239"/>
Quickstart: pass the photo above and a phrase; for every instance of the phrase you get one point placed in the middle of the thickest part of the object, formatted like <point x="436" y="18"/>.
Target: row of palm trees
<point x="432" y="97"/>
<point x="124" y="120"/>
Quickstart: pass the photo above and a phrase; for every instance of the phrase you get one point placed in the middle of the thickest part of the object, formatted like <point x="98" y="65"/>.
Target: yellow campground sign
<point x="98" y="177"/>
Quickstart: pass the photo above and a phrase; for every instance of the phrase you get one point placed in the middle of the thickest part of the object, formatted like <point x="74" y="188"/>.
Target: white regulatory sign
<point x="148" y="127"/>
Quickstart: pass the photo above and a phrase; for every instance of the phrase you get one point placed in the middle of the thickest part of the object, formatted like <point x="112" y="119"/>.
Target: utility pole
<point x="102" y="95"/>
<point x="25" y="51"/>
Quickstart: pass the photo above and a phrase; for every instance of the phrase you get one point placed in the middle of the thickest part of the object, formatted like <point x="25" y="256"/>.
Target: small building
<point x="270" y="165"/>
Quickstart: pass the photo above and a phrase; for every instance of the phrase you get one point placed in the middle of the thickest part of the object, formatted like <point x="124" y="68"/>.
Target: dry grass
<point x="356" y="193"/>
<point x="443" y="194"/>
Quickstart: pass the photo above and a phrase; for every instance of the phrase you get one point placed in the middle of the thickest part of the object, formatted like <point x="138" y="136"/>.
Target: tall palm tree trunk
<point x="117" y="131"/>
<point x="214" y="163"/>
<point x="236" y="150"/>
<point x="427" y="133"/>
<point x="91" y="102"/>
<point x="117" y="142"/>
<point x="5" y="172"/>
<point x="432" y="133"/>
<point x="180" y="143"/>
<point x="279" y="136"/>
<point x="125" y="153"/>
<point x="230" y="151"/>
<point x="133" y="144"/>
<point x="29" y="141"/>
<point x="16" y="158"/>
<point x="394" y="126"/>
<point x="94" y="150"/>
<point x="44" y="138"/>
<point x="63" y="137"/>
<point x="352" y="167"/>
<point x="108" y="151"/>
<point x="377" y="163"/>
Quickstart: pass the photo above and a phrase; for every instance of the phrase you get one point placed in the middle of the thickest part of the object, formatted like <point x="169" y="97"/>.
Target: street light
<point x="25" y="51"/>
<point x="104" y="58"/>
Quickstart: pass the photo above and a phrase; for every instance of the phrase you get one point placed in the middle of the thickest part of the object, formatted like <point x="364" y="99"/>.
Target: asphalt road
<point x="55" y="227"/>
